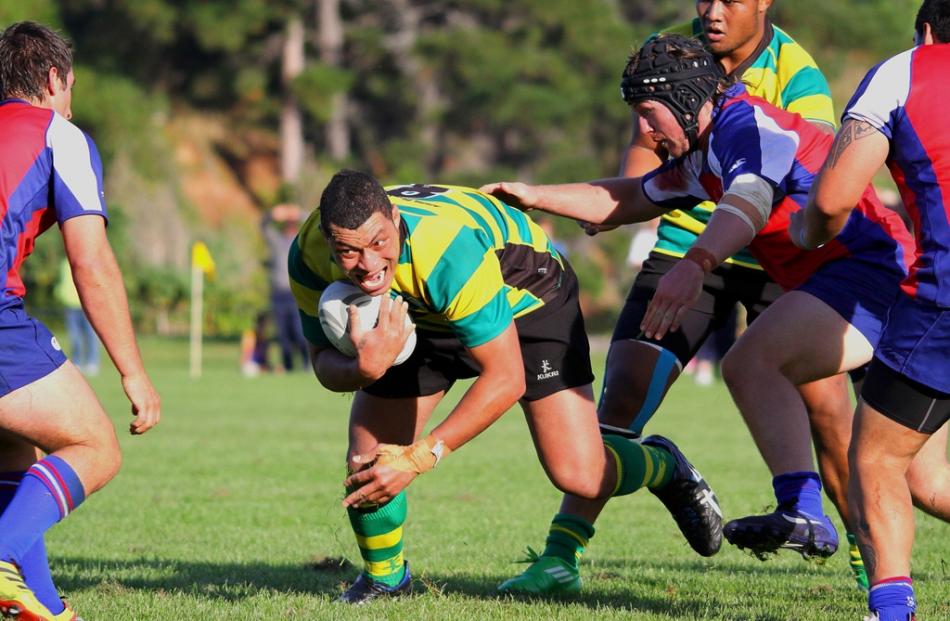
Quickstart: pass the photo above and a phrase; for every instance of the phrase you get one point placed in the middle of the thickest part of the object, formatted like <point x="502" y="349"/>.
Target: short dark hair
<point x="937" y="14"/>
<point x="27" y="52"/>
<point x="350" y="199"/>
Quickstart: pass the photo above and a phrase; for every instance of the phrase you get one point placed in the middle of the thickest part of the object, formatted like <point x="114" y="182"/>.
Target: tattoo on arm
<point x="851" y="132"/>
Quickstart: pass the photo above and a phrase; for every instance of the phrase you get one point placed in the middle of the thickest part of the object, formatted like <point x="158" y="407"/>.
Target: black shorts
<point x="723" y="288"/>
<point x="903" y="400"/>
<point x="554" y="349"/>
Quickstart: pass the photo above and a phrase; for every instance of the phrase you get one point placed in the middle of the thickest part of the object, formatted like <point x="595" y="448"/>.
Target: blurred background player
<point x="52" y="174"/>
<point x="84" y="343"/>
<point x="279" y="227"/>
<point x="640" y="370"/>
<point x="492" y="299"/>
<point x="897" y="116"/>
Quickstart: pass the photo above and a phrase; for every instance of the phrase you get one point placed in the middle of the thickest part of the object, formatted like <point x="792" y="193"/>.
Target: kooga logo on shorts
<point x="547" y="371"/>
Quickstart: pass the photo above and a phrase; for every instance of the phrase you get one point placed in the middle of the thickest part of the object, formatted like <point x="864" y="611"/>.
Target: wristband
<point x="703" y="258"/>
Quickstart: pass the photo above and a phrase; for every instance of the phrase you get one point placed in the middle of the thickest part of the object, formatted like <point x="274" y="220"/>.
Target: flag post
<point x="201" y="264"/>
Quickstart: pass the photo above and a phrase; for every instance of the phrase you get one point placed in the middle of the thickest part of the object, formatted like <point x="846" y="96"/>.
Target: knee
<point x="928" y="480"/>
<point x="748" y="363"/>
<point x="108" y="461"/>
<point x="733" y="367"/>
<point x="576" y="484"/>
<point x="922" y="488"/>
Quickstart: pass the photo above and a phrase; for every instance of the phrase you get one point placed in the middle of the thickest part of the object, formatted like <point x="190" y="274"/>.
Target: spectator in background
<point x="82" y="338"/>
<point x="279" y="227"/>
<point x="642" y="243"/>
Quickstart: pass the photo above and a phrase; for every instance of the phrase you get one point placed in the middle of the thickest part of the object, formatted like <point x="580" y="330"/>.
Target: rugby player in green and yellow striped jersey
<point x="491" y="299"/>
<point x="640" y="370"/>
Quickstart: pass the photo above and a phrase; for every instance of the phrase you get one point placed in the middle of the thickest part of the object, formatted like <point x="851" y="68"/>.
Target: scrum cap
<point x="677" y="71"/>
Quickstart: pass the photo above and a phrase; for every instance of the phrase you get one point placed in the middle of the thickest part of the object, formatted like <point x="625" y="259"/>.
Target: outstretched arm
<point x="99" y="283"/>
<point x="606" y="201"/>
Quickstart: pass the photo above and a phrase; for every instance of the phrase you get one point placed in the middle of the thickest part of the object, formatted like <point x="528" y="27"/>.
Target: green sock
<point x="856" y="562"/>
<point x="379" y="536"/>
<point x="639" y="465"/>
<point x="567" y="538"/>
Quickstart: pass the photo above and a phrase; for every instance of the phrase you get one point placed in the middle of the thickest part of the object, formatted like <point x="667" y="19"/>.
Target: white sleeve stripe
<point x="778" y="147"/>
<point x="657" y="190"/>
<point x="887" y="91"/>
<point x="72" y="162"/>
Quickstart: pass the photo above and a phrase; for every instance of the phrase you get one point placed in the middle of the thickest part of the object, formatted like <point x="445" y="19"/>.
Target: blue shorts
<point x="28" y="350"/>
<point x="916" y="342"/>
<point x="859" y="291"/>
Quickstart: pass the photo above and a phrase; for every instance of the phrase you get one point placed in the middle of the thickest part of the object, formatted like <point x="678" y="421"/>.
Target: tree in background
<point x="207" y="112"/>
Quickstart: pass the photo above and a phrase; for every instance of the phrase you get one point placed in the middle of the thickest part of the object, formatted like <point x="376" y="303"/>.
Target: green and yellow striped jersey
<point x="785" y="75"/>
<point x="469" y="264"/>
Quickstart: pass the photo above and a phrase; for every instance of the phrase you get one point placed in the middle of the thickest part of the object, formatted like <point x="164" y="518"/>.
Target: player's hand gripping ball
<point x="335" y="320"/>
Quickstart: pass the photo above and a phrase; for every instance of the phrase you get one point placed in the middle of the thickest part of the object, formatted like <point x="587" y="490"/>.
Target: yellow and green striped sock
<point x="857" y="563"/>
<point x="638" y="465"/>
<point x="379" y="536"/>
<point x="568" y="538"/>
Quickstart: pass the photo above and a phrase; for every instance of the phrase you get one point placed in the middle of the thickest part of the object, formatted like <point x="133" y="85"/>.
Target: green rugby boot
<point x="548" y="575"/>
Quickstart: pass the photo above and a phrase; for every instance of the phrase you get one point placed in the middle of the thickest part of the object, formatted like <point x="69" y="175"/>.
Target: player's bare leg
<point x="378" y="528"/>
<point x="628" y="377"/>
<point x="60" y="414"/>
<point x="929" y="477"/>
<point x="880" y="499"/>
<point x="762" y="371"/>
<point x="566" y="433"/>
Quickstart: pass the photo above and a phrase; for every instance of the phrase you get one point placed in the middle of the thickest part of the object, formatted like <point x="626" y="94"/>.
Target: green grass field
<point x="230" y="509"/>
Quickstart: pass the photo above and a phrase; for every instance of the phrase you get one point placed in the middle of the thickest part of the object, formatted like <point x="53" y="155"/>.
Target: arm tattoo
<point x="851" y="132"/>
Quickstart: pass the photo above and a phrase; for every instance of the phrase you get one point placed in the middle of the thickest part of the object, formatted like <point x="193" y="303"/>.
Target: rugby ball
<point x="335" y="320"/>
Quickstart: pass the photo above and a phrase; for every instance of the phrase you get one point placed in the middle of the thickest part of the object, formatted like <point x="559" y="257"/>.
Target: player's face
<point x="658" y="122"/>
<point x="368" y="254"/>
<point x="733" y="28"/>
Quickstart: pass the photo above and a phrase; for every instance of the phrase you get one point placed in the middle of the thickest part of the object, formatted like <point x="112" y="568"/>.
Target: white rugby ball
<point x="335" y="320"/>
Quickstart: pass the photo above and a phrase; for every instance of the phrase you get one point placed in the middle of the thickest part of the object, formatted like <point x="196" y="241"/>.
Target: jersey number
<point x="417" y="190"/>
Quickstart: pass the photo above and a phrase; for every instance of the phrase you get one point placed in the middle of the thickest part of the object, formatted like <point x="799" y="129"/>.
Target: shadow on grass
<point x="326" y="578"/>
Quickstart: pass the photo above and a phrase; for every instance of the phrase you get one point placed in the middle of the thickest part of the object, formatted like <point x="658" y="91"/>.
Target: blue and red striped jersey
<point x="750" y="136"/>
<point x="50" y="171"/>
<point x="905" y="97"/>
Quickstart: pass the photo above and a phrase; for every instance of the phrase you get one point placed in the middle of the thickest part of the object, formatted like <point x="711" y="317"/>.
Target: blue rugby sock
<point x="34" y="566"/>
<point x="800" y="490"/>
<point x="893" y="599"/>
<point x="49" y="491"/>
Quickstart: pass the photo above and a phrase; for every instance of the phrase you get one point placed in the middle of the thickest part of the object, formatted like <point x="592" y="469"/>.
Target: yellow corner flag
<point x="201" y="258"/>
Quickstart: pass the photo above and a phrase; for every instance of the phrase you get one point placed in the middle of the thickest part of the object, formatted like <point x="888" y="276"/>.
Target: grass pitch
<point x="230" y="510"/>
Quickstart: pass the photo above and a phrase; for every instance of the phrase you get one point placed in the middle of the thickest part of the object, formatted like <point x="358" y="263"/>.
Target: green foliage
<point x="123" y="119"/>
<point x="43" y="11"/>
<point x="462" y="91"/>
<point x="317" y="85"/>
